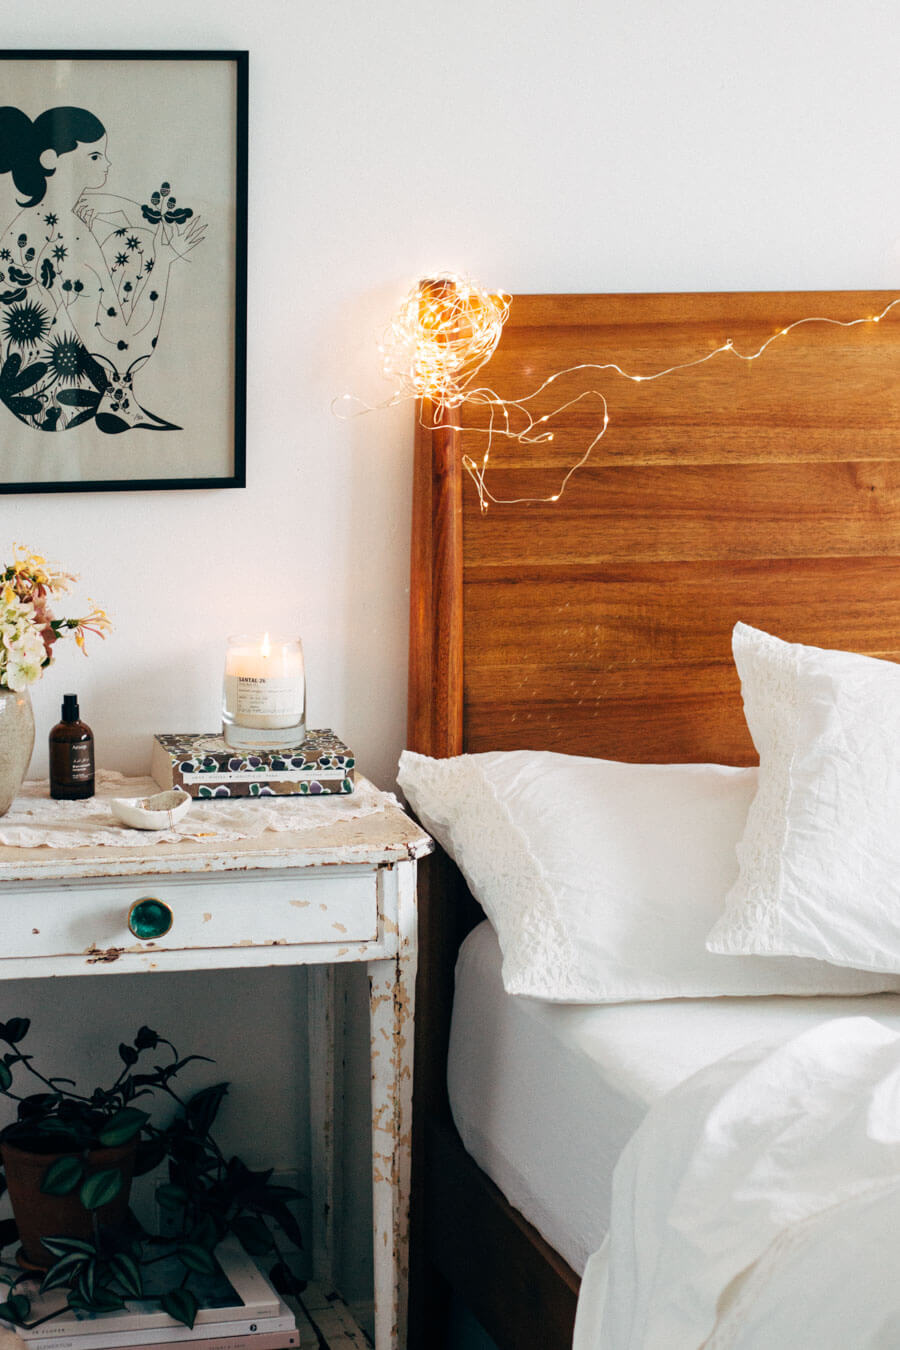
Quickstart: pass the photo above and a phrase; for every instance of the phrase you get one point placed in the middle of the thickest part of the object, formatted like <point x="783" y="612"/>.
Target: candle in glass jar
<point x="265" y="689"/>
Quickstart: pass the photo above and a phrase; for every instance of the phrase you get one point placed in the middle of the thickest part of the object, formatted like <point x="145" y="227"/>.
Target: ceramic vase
<point x="16" y="743"/>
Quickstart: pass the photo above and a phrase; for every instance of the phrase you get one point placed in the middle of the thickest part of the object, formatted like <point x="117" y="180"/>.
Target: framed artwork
<point x="123" y="270"/>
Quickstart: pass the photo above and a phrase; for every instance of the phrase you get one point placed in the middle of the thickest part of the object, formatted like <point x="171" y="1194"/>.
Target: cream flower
<point x="25" y="661"/>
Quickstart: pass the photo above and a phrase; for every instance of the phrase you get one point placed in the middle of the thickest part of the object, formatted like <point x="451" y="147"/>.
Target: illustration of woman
<point x="83" y="277"/>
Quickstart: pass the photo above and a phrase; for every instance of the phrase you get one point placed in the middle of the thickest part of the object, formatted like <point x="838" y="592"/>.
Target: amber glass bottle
<point x="71" y="754"/>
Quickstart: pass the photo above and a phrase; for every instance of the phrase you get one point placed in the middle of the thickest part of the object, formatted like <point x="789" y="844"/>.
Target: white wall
<point x="637" y="145"/>
<point x="627" y="146"/>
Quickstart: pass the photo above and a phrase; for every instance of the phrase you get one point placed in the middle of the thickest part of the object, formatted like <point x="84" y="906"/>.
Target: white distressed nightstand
<point x="343" y="892"/>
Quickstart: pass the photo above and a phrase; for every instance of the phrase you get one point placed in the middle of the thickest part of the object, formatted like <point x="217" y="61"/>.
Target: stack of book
<point x="204" y="766"/>
<point x="239" y="1310"/>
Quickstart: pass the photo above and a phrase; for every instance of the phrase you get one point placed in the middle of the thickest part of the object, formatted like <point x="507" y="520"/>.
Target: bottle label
<point x="81" y="763"/>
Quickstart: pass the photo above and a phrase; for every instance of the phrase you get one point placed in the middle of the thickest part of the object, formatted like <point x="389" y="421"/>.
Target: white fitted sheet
<point x="545" y="1095"/>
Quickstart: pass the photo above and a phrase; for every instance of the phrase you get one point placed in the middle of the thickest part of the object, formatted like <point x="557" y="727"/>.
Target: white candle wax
<point x="264" y="682"/>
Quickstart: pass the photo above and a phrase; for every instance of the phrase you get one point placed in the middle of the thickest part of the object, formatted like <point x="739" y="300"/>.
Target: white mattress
<point x="545" y="1095"/>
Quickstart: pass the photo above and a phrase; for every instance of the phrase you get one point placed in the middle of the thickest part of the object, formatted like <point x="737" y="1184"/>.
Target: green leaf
<point x="127" y="1272"/>
<point x="204" y="1233"/>
<point x="124" y="1125"/>
<point x="16" y="1027"/>
<point x="84" y="1282"/>
<point x="15" y="1309"/>
<point x="181" y="1305"/>
<point x="204" y="1105"/>
<point x="196" y="1258"/>
<point x="278" y="1210"/>
<point x="171" y="1197"/>
<point x="106" y="1300"/>
<point x="5" y="1077"/>
<point x="62" y="1246"/>
<point x="102" y="1187"/>
<point x="64" y="1271"/>
<point x="253" y="1236"/>
<point x="63" y="1176"/>
<point x="284" y="1193"/>
<point x="57" y="1126"/>
<point x="150" y="1153"/>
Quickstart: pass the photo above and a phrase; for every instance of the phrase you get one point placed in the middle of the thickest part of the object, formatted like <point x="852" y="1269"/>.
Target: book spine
<point x="173" y="1337"/>
<point x="259" y="776"/>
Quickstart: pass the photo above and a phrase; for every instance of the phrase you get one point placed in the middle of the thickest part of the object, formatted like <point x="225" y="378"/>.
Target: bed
<point x="599" y="625"/>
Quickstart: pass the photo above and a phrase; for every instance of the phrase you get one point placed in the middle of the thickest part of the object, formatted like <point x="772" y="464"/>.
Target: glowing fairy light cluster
<point x="443" y="333"/>
<point x="447" y="329"/>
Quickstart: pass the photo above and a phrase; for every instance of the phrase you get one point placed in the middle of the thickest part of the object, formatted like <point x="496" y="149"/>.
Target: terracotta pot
<point x="38" y="1216"/>
<point x="16" y="743"/>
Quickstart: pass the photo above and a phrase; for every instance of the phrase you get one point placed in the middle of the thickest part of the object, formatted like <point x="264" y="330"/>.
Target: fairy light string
<point x="447" y="329"/>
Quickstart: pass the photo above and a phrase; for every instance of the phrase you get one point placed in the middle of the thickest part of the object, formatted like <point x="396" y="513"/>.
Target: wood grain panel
<point x="692" y="512"/>
<point x="434" y="718"/>
<point x="635" y="662"/>
<point x="594" y="620"/>
<point x="821" y="393"/>
<point x="665" y="714"/>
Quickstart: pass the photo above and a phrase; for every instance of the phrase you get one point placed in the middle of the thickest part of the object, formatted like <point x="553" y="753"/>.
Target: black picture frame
<point x="147" y="294"/>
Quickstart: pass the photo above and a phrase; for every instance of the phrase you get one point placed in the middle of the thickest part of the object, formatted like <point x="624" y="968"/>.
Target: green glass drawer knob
<point x="150" y="918"/>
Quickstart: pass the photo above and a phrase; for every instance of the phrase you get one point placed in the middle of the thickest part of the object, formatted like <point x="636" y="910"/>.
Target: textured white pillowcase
<point x="820" y="857"/>
<point x="602" y="879"/>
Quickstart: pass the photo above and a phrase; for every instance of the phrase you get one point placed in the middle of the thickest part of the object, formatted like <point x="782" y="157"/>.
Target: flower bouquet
<point x="28" y="630"/>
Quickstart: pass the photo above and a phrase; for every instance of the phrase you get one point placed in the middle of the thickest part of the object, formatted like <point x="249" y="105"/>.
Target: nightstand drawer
<point x="314" y="906"/>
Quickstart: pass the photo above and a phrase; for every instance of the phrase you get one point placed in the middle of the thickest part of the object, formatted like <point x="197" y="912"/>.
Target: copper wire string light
<point x="447" y="329"/>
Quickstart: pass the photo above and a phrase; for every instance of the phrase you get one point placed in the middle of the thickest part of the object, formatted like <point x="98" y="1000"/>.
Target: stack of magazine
<point x="239" y="1310"/>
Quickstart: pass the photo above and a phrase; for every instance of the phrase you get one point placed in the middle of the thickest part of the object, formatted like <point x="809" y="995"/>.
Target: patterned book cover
<point x="204" y="766"/>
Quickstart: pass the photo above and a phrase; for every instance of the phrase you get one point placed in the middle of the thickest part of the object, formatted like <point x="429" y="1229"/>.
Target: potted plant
<point x="68" y="1162"/>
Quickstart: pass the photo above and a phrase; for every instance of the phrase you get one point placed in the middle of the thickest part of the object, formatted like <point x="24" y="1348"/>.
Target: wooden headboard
<point x="601" y="624"/>
<point x="766" y="491"/>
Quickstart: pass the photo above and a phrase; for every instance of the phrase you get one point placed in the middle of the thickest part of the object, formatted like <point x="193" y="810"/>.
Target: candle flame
<point x="265" y="648"/>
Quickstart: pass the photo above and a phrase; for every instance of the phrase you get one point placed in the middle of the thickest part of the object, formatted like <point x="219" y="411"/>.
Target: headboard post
<point x="435" y="725"/>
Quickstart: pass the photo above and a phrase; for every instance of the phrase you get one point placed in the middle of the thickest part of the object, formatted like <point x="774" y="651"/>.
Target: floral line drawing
<point x="79" y="314"/>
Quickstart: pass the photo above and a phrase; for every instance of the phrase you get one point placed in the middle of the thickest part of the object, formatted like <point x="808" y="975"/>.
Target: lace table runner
<point x="35" y="819"/>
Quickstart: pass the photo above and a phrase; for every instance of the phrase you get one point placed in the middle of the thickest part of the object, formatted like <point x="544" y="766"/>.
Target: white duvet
<point x="757" y="1207"/>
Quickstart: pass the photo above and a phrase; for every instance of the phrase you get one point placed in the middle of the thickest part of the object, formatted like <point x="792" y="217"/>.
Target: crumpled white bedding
<point x="757" y="1207"/>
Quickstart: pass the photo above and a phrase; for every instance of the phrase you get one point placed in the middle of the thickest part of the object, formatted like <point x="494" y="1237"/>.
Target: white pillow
<point x="602" y="879"/>
<point x="820" y="858"/>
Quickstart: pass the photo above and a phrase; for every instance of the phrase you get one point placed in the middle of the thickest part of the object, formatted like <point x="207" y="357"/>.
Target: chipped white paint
<point x="278" y="900"/>
<point x="325" y="1055"/>
<point x="392" y="1005"/>
<point x="257" y="912"/>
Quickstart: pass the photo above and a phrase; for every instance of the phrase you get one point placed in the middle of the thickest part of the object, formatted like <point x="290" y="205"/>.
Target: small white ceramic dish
<point x="159" y="812"/>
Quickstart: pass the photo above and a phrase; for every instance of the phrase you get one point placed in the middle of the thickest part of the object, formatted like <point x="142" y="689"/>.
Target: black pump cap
<point x="70" y="708"/>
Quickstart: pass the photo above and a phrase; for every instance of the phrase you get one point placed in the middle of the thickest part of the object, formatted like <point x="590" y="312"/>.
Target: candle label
<point x="258" y="696"/>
